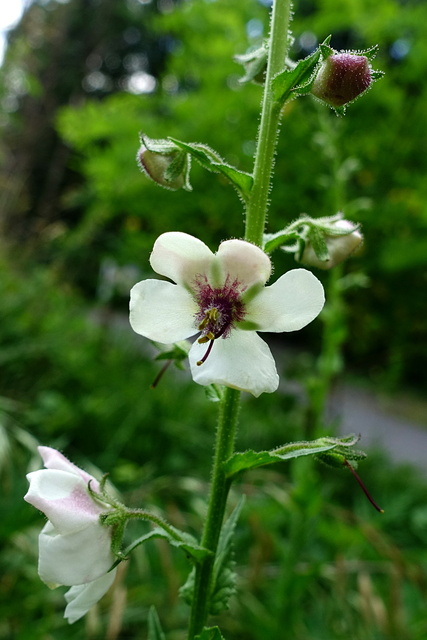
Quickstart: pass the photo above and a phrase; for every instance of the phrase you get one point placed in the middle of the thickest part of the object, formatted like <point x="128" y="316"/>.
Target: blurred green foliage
<point x="314" y="561"/>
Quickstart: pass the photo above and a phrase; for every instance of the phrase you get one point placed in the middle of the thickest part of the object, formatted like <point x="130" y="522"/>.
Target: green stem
<point x="227" y="424"/>
<point x="256" y="211"/>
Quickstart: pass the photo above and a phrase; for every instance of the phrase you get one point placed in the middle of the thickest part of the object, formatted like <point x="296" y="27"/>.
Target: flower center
<point x="219" y="309"/>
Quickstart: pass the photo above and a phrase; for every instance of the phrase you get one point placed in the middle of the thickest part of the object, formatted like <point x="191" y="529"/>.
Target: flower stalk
<point x="220" y="485"/>
<point x="256" y="211"/>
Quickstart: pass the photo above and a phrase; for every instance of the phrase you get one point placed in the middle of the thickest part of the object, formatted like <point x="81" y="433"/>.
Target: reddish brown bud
<point x="341" y="78"/>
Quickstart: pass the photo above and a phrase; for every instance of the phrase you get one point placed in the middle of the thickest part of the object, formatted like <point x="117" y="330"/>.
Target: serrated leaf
<point x="213" y="633"/>
<point x="252" y="459"/>
<point x="154" y="628"/>
<point x="212" y="161"/>
<point x="224" y="577"/>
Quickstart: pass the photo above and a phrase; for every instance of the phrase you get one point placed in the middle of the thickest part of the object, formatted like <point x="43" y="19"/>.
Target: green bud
<point x="255" y="64"/>
<point x="163" y="162"/>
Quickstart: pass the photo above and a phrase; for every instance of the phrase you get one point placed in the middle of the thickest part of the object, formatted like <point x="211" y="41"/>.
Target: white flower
<point x="222" y="297"/>
<point x="74" y="547"/>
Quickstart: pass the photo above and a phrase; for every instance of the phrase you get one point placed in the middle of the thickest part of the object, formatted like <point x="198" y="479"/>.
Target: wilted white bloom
<point x="222" y="297"/>
<point x="74" y="547"/>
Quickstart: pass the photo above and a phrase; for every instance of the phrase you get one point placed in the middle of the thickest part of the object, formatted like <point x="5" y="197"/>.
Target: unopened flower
<point x="163" y="162"/>
<point x="341" y="78"/>
<point x="222" y="297"/>
<point x="341" y="240"/>
<point x="74" y="547"/>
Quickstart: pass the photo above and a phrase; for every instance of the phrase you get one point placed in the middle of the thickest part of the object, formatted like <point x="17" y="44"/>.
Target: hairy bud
<point x="164" y="163"/>
<point x="341" y="78"/>
<point x="340" y="240"/>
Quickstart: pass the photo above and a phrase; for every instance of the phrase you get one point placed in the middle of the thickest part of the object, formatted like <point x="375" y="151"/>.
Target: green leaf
<point x="154" y="628"/>
<point x="297" y="81"/>
<point x="187" y="589"/>
<point x="224" y="577"/>
<point x="212" y="161"/>
<point x="182" y="540"/>
<point x="252" y="459"/>
<point x="213" y="633"/>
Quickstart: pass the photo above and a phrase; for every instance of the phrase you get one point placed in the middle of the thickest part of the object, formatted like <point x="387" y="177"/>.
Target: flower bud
<point x="255" y="65"/>
<point x="341" y="241"/>
<point x="341" y="78"/>
<point x="164" y="163"/>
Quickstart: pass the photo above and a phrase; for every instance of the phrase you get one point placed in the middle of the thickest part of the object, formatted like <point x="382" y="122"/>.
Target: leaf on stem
<point x="182" y="541"/>
<point x="224" y="577"/>
<point x="298" y="80"/>
<point x="212" y="161"/>
<point x="326" y="447"/>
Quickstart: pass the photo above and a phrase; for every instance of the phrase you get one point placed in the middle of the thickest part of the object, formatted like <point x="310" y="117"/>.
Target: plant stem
<point x="224" y="444"/>
<point x="256" y="211"/>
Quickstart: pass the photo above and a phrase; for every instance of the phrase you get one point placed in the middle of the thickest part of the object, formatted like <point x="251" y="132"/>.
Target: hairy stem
<point x="227" y="424"/>
<point x="256" y="211"/>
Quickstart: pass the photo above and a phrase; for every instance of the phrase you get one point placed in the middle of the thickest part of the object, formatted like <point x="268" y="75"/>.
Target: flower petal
<point x="244" y="262"/>
<point x="82" y="597"/>
<point x="180" y="257"/>
<point x="289" y="304"/>
<point x="64" y="499"/>
<point x="241" y="361"/>
<point x="53" y="459"/>
<point x="75" y="558"/>
<point x="162" y="311"/>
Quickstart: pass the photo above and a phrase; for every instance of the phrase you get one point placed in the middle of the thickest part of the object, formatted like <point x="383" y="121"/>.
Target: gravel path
<point x="382" y="424"/>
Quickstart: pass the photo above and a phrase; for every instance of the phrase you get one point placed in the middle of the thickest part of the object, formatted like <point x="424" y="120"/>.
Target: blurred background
<point x="79" y="80"/>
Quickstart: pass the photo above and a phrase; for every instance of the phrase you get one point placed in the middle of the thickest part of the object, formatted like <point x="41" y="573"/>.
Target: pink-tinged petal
<point x="289" y="304"/>
<point x="75" y="558"/>
<point x="64" y="498"/>
<point x="81" y="598"/>
<point x="241" y="361"/>
<point x="162" y="311"/>
<point x="180" y="257"/>
<point x="244" y="262"/>
<point x="53" y="459"/>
